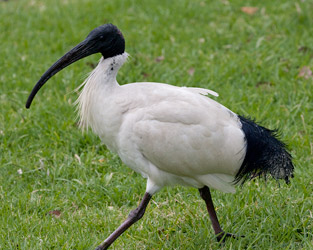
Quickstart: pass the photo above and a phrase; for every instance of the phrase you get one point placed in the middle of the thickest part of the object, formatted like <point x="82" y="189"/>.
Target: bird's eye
<point x="101" y="37"/>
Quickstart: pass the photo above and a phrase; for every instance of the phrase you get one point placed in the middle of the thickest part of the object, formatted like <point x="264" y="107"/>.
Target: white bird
<point x="170" y="135"/>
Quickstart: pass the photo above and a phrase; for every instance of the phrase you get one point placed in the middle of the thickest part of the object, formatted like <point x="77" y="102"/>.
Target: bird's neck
<point x="99" y="85"/>
<point x="109" y="67"/>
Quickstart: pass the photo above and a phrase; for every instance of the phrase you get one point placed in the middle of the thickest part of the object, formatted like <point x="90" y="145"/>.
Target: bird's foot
<point x="222" y="236"/>
<point x="103" y="246"/>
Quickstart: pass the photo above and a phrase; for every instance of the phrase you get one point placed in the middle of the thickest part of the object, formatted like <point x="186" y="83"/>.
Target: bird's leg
<point x="206" y="196"/>
<point x="133" y="217"/>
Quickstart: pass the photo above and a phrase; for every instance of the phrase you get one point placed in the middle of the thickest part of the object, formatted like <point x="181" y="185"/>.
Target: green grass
<point x="252" y="61"/>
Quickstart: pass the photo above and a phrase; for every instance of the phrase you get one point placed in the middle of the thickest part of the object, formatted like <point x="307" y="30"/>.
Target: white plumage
<point x="170" y="135"/>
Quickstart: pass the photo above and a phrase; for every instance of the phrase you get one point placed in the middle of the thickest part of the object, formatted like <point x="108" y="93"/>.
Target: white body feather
<point x="170" y="135"/>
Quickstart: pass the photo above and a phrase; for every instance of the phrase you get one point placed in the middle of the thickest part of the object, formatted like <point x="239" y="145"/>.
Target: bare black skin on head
<point x="106" y="39"/>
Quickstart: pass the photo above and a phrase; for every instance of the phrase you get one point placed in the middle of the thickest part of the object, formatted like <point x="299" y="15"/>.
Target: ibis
<point x="170" y="135"/>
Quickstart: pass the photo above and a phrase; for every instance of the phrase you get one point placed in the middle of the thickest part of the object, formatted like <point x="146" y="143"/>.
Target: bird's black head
<point x="106" y="39"/>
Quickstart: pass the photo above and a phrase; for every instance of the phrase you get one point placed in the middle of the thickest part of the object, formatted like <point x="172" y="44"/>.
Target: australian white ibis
<point x="170" y="135"/>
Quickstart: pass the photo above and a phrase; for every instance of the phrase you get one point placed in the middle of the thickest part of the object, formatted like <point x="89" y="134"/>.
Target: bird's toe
<point x="221" y="237"/>
<point x="102" y="247"/>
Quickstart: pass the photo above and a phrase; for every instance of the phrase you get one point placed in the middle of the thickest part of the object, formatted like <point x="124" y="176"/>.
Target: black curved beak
<point x="80" y="51"/>
<point x="106" y="39"/>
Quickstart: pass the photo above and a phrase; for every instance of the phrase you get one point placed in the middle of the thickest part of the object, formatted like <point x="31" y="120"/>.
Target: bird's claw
<point x="221" y="237"/>
<point x="103" y="246"/>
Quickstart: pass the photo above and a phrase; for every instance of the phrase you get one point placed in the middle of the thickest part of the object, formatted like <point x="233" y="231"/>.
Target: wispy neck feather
<point x="102" y="77"/>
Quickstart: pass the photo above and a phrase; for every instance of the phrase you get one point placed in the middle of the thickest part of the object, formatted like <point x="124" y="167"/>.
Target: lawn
<point x="62" y="189"/>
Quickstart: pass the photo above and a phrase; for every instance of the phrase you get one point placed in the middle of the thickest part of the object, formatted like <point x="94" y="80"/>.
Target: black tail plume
<point x="265" y="154"/>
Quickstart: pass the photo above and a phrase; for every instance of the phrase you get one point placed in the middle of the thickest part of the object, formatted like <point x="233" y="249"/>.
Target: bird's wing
<point x="184" y="133"/>
<point x="201" y="91"/>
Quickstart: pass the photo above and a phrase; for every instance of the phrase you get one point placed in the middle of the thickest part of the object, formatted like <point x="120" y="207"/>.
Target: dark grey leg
<point x="133" y="217"/>
<point x="206" y="196"/>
